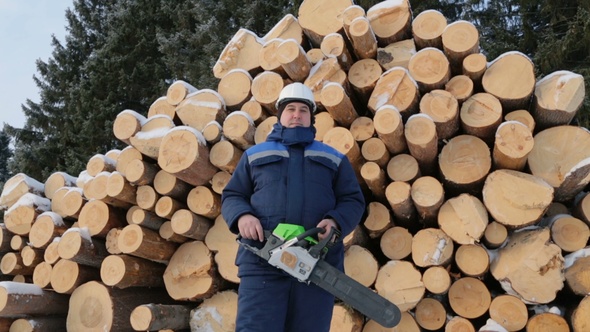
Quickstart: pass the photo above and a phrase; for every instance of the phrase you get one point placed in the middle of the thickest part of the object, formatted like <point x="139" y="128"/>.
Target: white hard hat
<point x="297" y="92"/>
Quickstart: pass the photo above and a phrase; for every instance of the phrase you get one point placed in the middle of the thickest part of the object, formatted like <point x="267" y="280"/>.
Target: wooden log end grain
<point x="469" y="297"/>
<point x="464" y="162"/>
<point x="391" y="21"/>
<point x="459" y="39"/>
<point x="217" y="312"/>
<point x="430" y="68"/>
<point x="431" y="247"/>
<point x="17" y="186"/>
<point x="443" y="108"/>
<point x="127" y="124"/>
<point x="240" y="52"/>
<point x="509" y="311"/>
<point x="178" y="91"/>
<point x="401" y="283"/>
<point x="513" y="143"/>
<point x="427" y="29"/>
<point x="396" y="243"/>
<point x="361" y="265"/>
<point x="557" y="98"/>
<point x="234" y="87"/>
<point x="397" y="88"/>
<point x="464" y="218"/>
<point x="320" y="19"/>
<point x="57" y="180"/>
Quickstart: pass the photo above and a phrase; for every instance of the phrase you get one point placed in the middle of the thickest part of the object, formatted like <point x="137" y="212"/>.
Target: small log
<point x="287" y="28"/>
<point x="341" y="139"/>
<point x="50" y="255"/>
<point x="560" y="157"/>
<point x="464" y="218"/>
<point x="72" y="203"/>
<point x="39" y="324"/>
<point x="400" y="200"/>
<point x="128" y="154"/>
<point x="428" y="195"/>
<point x="430" y="68"/>
<point x="362" y="37"/>
<point x="167" y="184"/>
<point x="161" y="106"/>
<point x="144" y="243"/>
<point x="168" y="234"/>
<point x="178" y="91"/>
<point x="100" y="163"/>
<point x="401" y="283"/>
<point x="269" y="56"/>
<point x="97" y="188"/>
<point x="580" y="320"/>
<point x="315" y="55"/>
<point x="397" y="88"/>
<point x="167" y="206"/>
<point x="240" y="52"/>
<point x="5" y="238"/>
<point x="255" y="110"/>
<point x="222" y="242"/>
<point x="557" y="98"/>
<point x="530" y="266"/>
<point x="469" y="297"/>
<point x="217" y="312"/>
<point x="138" y="216"/>
<point x="407" y="323"/>
<point x="191" y="274"/>
<point x="361" y="265"/>
<point x="266" y="88"/>
<point x="461" y="87"/>
<point x="389" y="126"/>
<point x="184" y="153"/>
<point x="140" y="172"/>
<point x="146" y="197"/>
<point x="96" y="307"/>
<point x="200" y="108"/>
<point x="459" y="39"/>
<point x="17" y="186"/>
<point x="189" y="224"/>
<point x="58" y="204"/>
<point x="396" y="243"/>
<point x="437" y="280"/>
<point x="326" y="70"/>
<point x="403" y="167"/>
<point x="513" y="143"/>
<point x="225" y="155"/>
<point x="480" y="116"/>
<point x="396" y="54"/>
<point x="338" y="104"/>
<point x="521" y="206"/>
<point x="219" y="181"/>
<point x="474" y="66"/>
<point x="127" y="124"/>
<point x="511" y="79"/>
<point x="522" y="116"/>
<point x="549" y="321"/>
<point x="67" y="275"/>
<point x="375" y="178"/>
<point x="422" y="140"/>
<point x="19" y="218"/>
<point x="111" y="241"/>
<point x="31" y="256"/>
<point x="581" y="209"/>
<point x="17" y="300"/>
<point x="378" y="219"/>
<point x="234" y="88"/>
<point x="568" y="232"/>
<point x="124" y="271"/>
<point x="345" y="319"/>
<point x="443" y="108"/>
<point x="212" y="132"/>
<point x="204" y="201"/>
<point x="362" y="129"/>
<point x="464" y="163"/>
<point x="472" y="260"/>
<point x="17" y="242"/>
<point x="358" y="236"/>
<point x="391" y="21"/>
<point x="265" y="127"/>
<point x="335" y="45"/>
<point x="57" y="180"/>
<point x="12" y="264"/>
<point x="149" y="138"/>
<point x="495" y="235"/>
<point x="430" y="314"/>
<point x="431" y="247"/>
<point x="239" y="129"/>
<point x="509" y="311"/>
<point x="363" y="76"/>
<point x="374" y="150"/>
<point x="77" y="245"/>
<point x="119" y="188"/>
<point x="151" y="317"/>
<point x="576" y="266"/>
<point x="42" y="275"/>
<point x="47" y="226"/>
<point x="293" y="60"/>
<point x="459" y="324"/>
<point x="100" y="218"/>
<point x="427" y="29"/>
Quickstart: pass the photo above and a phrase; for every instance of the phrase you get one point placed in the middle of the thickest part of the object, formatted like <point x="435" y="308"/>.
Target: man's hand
<point x="250" y="228"/>
<point x="327" y="224"/>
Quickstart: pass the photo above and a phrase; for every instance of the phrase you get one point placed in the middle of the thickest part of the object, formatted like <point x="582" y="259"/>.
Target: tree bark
<point x="189" y="224"/>
<point x="17" y="300"/>
<point x="145" y="243"/>
<point x="151" y="317"/>
<point x="123" y="271"/>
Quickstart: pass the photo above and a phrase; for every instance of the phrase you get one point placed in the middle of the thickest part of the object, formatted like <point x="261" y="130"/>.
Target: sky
<point x="26" y="27"/>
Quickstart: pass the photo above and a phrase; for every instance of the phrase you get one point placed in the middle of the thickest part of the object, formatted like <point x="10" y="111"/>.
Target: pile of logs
<point x="476" y="219"/>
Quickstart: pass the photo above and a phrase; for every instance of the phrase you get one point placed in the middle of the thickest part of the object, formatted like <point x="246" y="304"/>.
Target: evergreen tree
<point x="5" y="155"/>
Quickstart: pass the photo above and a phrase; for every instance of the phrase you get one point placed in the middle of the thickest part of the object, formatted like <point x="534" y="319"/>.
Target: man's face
<point x="296" y="114"/>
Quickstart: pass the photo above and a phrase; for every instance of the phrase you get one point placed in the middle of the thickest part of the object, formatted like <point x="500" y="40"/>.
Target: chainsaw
<point x="296" y="251"/>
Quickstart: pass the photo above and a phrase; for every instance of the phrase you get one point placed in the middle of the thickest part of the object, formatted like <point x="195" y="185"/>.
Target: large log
<point x="320" y="19"/>
<point x="217" y="312"/>
<point x="18" y="299"/>
<point x="151" y="317"/>
<point x="124" y="271"/>
<point x="240" y="52"/>
<point x="17" y="186"/>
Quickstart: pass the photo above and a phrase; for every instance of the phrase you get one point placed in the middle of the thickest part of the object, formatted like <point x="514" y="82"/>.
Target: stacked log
<point x="477" y="214"/>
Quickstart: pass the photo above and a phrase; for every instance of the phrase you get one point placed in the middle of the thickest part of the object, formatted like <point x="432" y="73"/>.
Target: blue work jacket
<point x="291" y="178"/>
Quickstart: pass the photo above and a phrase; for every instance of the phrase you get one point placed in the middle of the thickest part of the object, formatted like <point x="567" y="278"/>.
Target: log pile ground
<point x="477" y="216"/>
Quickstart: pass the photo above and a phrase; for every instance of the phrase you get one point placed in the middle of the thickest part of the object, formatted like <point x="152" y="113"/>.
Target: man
<point x="290" y="178"/>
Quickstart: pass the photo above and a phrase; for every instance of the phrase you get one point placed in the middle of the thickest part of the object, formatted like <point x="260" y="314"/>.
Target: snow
<point x="420" y="115"/>
<point x="140" y="118"/>
<point x="242" y="113"/>
<point x="507" y="54"/>
<point x="580" y="164"/>
<point x="13" y="287"/>
<point x="198" y="134"/>
<point x="56" y="218"/>
<point x="156" y="133"/>
<point x="83" y="231"/>
<point x="510" y="122"/>
<point x="492" y="326"/>
<point x="16" y="180"/>
<point x="436" y="256"/>
<point x="386" y="5"/>
<point x="31" y="200"/>
<point x="571" y="258"/>
<point x="105" y="159"/>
